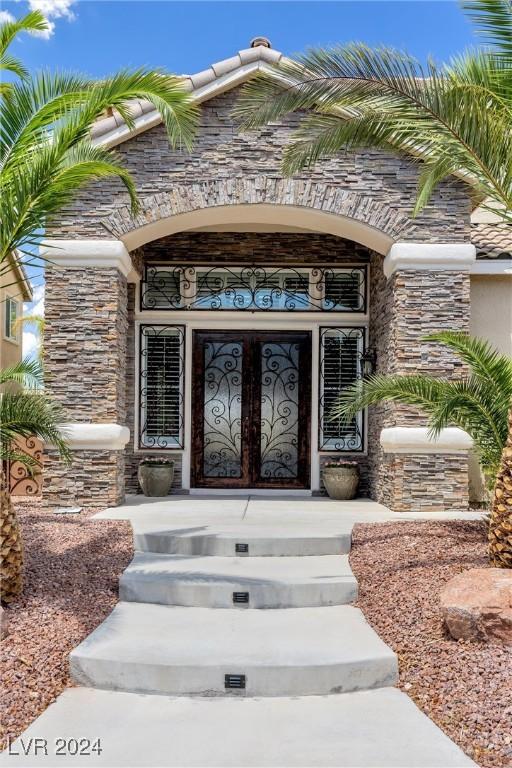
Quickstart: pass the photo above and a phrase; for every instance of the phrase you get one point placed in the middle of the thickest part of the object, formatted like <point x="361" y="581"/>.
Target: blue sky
<point x="97" y="37"/>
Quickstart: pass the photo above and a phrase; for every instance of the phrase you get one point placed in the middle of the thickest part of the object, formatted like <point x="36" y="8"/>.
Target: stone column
<point x="85" y="368"/>
<point x="427" y="291"/>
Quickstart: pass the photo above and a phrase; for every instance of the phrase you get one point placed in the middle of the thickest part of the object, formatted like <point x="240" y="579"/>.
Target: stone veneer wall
<point x="85" y="338"/>
<point x="95" y="479"/>
<point x="85" y="365"/>
<point x="405" y="309"/>
<point x="222" y="152"/>
<point x="255" y="247"/>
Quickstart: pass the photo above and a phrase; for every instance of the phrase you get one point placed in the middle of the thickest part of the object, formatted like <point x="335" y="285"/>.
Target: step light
<point x="239" y="548"/>
<point x="240" y="597"/>
<point x="234" y="681"/>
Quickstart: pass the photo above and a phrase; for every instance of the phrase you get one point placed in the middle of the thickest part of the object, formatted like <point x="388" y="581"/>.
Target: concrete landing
<point x="370" y="728"/>
<point x="223" y="582"/>
<point x="276" y="511"/>
<point x="189" y="651"/>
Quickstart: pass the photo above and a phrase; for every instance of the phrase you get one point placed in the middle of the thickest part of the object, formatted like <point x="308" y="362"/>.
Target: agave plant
<point x="456" y="118"/>
<point x="479" y="403"/>
<point x="25" y="411"/>
<point x="46" y="151"/>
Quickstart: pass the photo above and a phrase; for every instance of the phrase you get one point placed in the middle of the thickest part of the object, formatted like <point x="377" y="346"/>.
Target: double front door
<point x="251" y="409"/>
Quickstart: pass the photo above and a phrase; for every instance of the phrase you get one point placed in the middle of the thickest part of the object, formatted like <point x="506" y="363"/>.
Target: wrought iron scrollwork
<point x="161" y="386"/>
<point x="222" y="429"/>
<point x="254" y="288"/>
<point x="279" y="410"/>
<point x="340" y="355"/>
<point x="24" y="479"/>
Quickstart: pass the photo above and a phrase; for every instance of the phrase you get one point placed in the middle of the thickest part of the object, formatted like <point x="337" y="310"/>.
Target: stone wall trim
<point x="454" y="257"/>
<point x="415" y="440"/>
<point x="78" y="254"/>
<point x="84" y="436"/>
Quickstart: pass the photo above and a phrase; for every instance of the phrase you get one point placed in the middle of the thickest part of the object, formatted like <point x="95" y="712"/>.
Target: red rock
<point x="3" y="622"/>
<point x="477" y="605"/>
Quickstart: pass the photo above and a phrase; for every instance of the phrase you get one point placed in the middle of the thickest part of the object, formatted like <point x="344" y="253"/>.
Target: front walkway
<point x="236" y="612"/>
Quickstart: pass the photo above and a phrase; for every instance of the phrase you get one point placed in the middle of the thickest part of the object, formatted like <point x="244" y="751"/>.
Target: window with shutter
<point x="345" y="290"/>
<point x="340" y="352"/>
<point x="162" y="288"/>
<point x="255" y="288"/>
<point x="161" y="386"/>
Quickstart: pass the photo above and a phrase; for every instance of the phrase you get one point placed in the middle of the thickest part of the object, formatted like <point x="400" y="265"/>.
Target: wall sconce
<point x="368" y="362"/>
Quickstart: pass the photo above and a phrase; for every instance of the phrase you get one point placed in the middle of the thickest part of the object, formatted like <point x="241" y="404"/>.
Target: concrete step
<point x="224" y="582"/>
<point x="291" y="652"/>
<point x="377" y="729"/>
<point x="275" y="539"/>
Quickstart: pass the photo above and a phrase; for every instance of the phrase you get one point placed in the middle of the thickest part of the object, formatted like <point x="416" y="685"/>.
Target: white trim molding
<point x="78" y="254"/>
<point x="417" y="440"/>
<point x="455" y="257"/>
<point x="83" y="436"/>
<point x="501" y="267"/>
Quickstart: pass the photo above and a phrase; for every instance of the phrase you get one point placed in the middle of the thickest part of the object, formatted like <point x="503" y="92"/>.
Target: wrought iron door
<point x="251" y="409"/>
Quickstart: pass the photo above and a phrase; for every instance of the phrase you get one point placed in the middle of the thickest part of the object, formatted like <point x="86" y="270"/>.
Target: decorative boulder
<point x="477" y="605"/>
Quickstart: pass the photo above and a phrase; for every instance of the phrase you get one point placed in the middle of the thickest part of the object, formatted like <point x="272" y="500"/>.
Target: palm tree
<point x="46" y="151"/>
<point x="46" y="157"/>
<point x="455" y="118"/>
<point x="39" y="323"/>
<point x="24" y="412"/>
<point x="500" y="529"/>
<point x="478" y="403"/>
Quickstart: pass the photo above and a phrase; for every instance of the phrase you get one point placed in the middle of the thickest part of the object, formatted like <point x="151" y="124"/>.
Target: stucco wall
<point x="491" y="310"/>
<point x="10" y="351"/>
<point x="491" y="318"/>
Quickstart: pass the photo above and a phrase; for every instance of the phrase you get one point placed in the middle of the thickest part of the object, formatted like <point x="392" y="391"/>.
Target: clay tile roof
<point x="218" y="78"/>
<point x="492" y="241"/>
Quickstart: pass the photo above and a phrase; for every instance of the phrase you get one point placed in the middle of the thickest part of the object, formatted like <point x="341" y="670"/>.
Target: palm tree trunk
<point x="11" y="549"/>
<point x="500" y="528"/>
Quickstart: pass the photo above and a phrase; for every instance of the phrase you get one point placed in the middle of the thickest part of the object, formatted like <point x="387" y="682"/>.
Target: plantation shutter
<point x="345" y="290"/>
<point x="161" y="387"/>
<point x="162" y="288"/>
<point x="340" y="353"/>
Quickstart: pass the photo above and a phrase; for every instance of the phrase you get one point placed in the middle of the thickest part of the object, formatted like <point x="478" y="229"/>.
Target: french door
<point x="251" y="406"/>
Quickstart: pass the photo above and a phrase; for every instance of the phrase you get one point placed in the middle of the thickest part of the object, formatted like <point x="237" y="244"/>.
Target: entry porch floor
<point x="317" y="680"/>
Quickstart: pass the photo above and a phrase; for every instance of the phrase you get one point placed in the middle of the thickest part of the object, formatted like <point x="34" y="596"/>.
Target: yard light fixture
<point x="367" y="362"/>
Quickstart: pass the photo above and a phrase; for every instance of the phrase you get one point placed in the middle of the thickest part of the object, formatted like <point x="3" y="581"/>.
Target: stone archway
<point x="314" y="206"/>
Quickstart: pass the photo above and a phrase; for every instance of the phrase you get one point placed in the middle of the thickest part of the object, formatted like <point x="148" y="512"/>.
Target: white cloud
<point x="52" y="9"/>
<point x="6" y="16"/>
<point x="36" y="306"/>
<point x="30" y="344"/>
<point x="31" y="337"/>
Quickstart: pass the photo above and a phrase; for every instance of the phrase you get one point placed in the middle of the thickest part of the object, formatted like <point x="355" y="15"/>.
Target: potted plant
<point x="156" y="475"/>
<point x="341" y="479"/>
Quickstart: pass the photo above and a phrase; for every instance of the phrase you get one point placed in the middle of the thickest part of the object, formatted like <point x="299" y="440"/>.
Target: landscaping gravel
<point x="464" y="687"/>
<point x="72" y="567"/>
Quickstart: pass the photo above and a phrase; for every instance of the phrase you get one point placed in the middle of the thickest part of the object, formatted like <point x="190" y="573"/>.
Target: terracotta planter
<point x="341" y="482"/>
<point x="156" y="479"/>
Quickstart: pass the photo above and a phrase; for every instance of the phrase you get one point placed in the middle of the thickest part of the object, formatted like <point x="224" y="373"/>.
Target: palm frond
<point x="46" y="155"/>
<point x="34" y="21"/>
<point x="493" y="20"/>
<point x="485" y="361"/>
<point x="477" y="403"/>
<point x="457" y="119"/>
<point x="27" y="373"/>
<point x="29" y="414"/>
